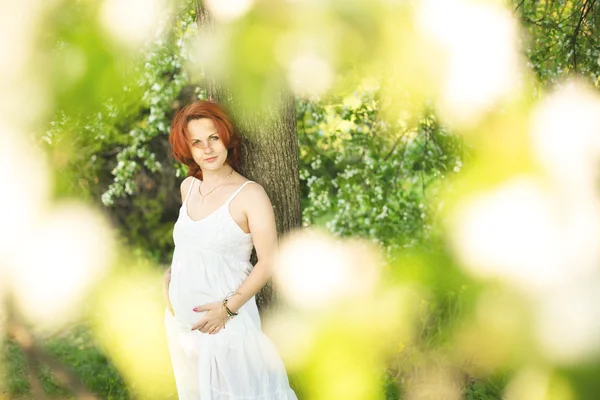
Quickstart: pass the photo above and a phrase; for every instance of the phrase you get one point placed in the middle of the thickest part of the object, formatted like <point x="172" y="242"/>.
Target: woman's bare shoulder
<point x="258" y="208"/>
<point x="255" y="192"/>
<point x="185" y="186"/>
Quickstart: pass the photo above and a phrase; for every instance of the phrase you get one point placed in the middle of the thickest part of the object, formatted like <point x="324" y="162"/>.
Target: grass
<point x="75" y="349"/>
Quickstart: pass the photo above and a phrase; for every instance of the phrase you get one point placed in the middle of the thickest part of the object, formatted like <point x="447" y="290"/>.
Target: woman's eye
<point x="214" y="137"/>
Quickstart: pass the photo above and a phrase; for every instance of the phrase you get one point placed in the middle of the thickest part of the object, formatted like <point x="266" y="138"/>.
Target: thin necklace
<point x="213" y="189"/>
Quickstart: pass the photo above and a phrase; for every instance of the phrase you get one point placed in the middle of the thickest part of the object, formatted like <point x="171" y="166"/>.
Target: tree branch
<point x="585" y="9"/>
<point x="518" y="6"/>
<point x="394" y="146"/>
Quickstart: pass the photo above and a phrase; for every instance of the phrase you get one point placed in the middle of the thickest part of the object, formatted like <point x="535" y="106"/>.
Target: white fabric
<point x="211" y="259"/>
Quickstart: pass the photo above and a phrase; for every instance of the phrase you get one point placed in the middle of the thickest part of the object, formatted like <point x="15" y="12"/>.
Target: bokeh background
<point x="448" y="156"/>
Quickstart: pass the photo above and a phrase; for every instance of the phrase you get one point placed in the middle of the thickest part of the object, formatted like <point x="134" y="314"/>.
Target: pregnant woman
<point x="217" y="347"/>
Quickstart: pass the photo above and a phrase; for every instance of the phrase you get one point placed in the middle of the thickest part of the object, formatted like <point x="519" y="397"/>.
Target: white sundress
<point x="211" y="260"/>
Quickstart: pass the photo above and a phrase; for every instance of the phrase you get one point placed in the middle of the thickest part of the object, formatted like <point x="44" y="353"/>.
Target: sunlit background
<point x="449" y="152"/>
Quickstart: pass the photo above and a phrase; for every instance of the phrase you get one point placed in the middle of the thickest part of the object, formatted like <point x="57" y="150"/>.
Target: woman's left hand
<point x="214" y="320"/>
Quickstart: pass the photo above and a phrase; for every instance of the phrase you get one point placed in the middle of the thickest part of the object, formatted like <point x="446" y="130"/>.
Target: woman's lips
<point x="210" y="159"/>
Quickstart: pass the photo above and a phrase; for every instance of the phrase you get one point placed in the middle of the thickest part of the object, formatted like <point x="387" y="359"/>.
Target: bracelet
<point x="230" y="313"/>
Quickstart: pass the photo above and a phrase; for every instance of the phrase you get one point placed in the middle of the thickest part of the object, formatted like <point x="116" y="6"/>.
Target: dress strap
<point x="189" y="190"/>
<point x="237" y="191"/>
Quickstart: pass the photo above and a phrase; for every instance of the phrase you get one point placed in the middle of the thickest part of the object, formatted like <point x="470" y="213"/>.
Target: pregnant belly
<point x="186" y="294"/>
<point x="196" y="281"/>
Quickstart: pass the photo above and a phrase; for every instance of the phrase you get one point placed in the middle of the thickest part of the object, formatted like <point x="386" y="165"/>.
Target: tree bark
<point x="269" y="154"/>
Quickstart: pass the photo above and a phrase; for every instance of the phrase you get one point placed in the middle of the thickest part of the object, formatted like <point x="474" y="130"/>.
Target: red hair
<point x="179" y="137"/>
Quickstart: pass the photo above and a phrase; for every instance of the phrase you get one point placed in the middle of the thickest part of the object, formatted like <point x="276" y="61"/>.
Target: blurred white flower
<point x="567" y="322"/>
<point x="50" y="256"/>
<point x="56" y="265"/>
<point x="132" y="22"/>
<point x="566" y="138"/>
<point x="542" y="235"/>
<point x="309" y="74"/>
<point x="523" y="234"/>
<point x="18" y="23"/>
<point x="23" y="79"/>
<point x="26" y="186"/>
<point x="314" y="269"/>
<point x="227" y="10"/>
<point x="206" y="53"/>
<point x="307" y="58"/>
<point x="480" y="41"/>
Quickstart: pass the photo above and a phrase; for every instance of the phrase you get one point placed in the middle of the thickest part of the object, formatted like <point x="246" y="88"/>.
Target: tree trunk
<point x="269" y="155"/>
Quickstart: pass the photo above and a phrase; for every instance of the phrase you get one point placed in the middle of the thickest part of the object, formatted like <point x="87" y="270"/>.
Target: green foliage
<point x="391" y="390"/>
<point x="120" y="154"/>
<point x="479" y="390"/>
<point x="564" y="38"/>
<point x="365" y="176"/>
<point x="84" y="67"/>
<point x="163" y="78"/>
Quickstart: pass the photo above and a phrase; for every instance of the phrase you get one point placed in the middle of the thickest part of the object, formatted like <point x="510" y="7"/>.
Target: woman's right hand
<point x="165" y="286"/>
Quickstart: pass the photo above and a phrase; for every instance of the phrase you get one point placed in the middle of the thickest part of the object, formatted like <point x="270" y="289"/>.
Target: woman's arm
<point x="261" y="221"/>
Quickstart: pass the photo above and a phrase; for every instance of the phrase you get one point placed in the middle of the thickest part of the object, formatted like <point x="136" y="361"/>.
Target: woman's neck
<point x="214" y="177"/>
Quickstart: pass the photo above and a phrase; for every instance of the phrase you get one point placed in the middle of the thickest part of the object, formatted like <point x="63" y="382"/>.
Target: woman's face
<point x="208" y="150"/>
